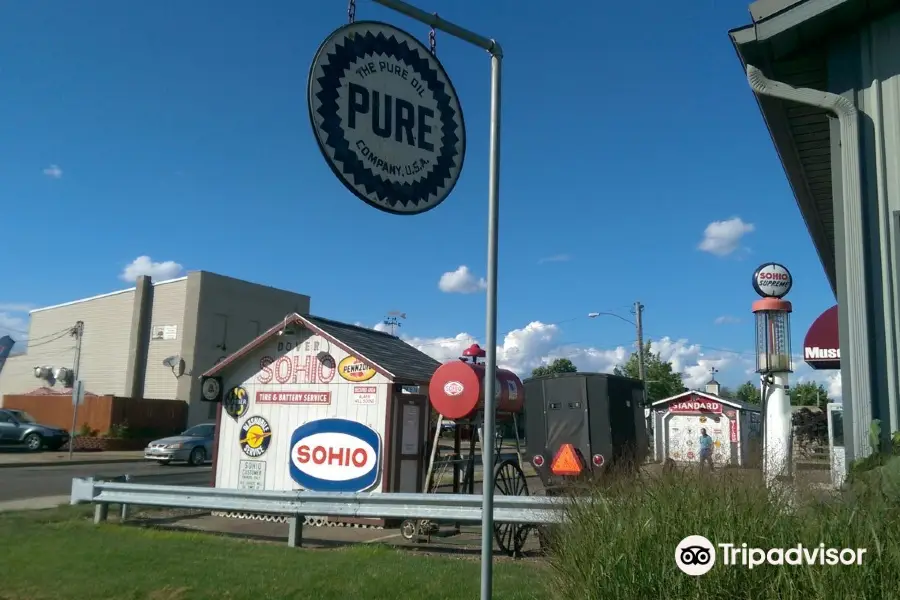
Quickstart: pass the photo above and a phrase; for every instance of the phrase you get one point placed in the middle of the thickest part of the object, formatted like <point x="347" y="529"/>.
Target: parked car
<point x="19" y="428"/>
<point x="193" y="446"/>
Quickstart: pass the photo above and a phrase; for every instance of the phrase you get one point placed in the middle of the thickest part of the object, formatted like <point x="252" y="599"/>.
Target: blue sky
<point x="179" y="131"/>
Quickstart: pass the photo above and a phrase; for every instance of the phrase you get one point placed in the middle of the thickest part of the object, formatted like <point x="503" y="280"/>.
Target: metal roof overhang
<point x="788" y="42"/>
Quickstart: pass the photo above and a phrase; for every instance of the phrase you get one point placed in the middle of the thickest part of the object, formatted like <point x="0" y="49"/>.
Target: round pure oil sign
<point x="386" y="117"/>
<point x="772" y="280"/>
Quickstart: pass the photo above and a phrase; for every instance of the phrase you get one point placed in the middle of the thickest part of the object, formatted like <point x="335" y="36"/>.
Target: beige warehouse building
<point x="198" y="319"/>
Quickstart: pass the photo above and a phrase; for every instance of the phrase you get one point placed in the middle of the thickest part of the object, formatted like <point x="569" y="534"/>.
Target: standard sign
<point x="386" y="117"/>
<point x="772" y="280"/>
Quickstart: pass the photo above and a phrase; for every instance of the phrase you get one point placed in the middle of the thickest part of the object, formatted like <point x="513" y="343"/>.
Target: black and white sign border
<point x="346" y="165"/>
<point x="758" y="289"/>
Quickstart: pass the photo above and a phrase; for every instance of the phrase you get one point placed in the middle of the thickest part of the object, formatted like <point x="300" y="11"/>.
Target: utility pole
<point x="77" y="387"/>
<point x="639" y="323"/>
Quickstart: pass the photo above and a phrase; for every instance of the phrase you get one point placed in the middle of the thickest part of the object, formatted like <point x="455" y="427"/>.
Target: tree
<point x="725" y="392"/>
<point x="662" y="380"/>
<point x="560" y="365"/>
<point x="747" y="392"/>
<point x="809" y="394"/>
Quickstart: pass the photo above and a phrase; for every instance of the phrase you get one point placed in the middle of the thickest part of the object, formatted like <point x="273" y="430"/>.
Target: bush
<point x="810" y="427"/>
<point x="621" y="537"/>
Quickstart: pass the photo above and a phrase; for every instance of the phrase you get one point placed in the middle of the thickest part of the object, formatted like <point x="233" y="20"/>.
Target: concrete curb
<point x="69" y="463"/>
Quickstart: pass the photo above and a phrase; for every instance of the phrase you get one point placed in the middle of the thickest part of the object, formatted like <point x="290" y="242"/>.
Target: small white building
<point x="677" y="421"/>
<point x="319" y="405"/>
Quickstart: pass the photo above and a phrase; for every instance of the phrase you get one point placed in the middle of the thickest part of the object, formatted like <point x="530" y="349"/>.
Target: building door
<point x="409" y="430"/>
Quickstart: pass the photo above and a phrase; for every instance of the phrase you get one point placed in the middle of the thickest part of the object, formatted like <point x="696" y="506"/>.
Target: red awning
<point x="821" y="348"/>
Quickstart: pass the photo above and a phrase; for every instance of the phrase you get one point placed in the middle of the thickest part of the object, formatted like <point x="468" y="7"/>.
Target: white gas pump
<point x="836" y="443"/>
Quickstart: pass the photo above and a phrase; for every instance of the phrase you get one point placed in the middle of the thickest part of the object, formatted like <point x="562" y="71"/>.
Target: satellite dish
<point x="176" y="363"/>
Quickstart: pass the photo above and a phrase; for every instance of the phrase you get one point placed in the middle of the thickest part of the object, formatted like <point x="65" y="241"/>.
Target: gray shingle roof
<point x="387" y="351"/>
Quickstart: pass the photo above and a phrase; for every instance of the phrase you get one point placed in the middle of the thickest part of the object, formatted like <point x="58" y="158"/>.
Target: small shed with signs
<point x="733" y="425"/>
<point x="319" y="405"/>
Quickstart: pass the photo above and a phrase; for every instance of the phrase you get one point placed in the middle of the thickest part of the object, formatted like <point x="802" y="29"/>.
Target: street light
<point x="640" y="341"/>
<point x="594" y="315"/>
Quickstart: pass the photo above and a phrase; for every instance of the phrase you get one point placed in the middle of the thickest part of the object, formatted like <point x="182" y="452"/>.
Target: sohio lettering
<point x="341" y="457"/>
<point x="386" y="117"/>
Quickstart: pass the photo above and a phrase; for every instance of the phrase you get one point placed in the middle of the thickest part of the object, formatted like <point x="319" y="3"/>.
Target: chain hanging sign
<point x="386" y="117"/>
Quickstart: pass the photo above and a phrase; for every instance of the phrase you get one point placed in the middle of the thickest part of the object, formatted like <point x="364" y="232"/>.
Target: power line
<point x="44" y="343"/>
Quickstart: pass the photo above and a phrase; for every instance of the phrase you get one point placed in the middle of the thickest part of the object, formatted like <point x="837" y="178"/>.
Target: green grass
<point x="621" y="543"/>
<point x="60" y="554"/>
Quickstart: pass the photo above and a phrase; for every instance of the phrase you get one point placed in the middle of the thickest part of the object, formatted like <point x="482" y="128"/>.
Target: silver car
<point x="194" y="446"/>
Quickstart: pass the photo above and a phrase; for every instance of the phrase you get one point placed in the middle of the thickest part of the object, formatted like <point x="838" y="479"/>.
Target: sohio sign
<point x="772" y="280"/>
<point x="335" y="455"/>
<point x="386" y="117"/>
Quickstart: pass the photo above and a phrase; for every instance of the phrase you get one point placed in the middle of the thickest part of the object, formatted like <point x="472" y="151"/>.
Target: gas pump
<point x="836" y="443"/>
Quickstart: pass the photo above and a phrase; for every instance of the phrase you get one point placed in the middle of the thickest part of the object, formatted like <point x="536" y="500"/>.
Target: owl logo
<point x="236" y="402"/>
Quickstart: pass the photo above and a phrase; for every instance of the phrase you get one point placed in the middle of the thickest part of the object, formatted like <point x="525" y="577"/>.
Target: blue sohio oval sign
<point x="335" y="455"/>
<point x="386" y="117"/>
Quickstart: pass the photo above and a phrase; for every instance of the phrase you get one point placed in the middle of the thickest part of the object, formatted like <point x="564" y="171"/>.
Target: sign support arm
<point x="490" y="375"/>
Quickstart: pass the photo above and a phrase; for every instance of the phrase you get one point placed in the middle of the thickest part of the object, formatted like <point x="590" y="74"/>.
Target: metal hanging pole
<point x="490" y="370"/>
<point x="490" y="373"/>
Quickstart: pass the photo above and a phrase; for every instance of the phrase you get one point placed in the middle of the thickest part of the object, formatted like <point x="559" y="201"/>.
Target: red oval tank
<point x="456" y="390"/>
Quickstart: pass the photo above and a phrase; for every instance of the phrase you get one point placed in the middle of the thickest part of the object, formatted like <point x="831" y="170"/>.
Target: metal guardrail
<point x="526" y="510"/>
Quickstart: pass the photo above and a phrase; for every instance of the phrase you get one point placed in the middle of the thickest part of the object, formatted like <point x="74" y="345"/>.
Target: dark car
<point x="19" y="428"/>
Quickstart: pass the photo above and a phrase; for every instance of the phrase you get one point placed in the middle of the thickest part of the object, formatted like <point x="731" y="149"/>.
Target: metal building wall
<point x="865" y="67"/>
<point x="222" y="314"/>
<point x="167" y="313"/>
<point x="104" y="353"/>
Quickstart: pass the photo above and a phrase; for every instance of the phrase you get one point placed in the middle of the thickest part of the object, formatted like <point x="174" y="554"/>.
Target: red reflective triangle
<point x="566" y="461"/>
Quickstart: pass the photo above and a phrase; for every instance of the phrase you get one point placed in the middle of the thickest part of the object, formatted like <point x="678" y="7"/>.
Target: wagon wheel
<point x="509" y="480"/>
<point x="414" y="530"/>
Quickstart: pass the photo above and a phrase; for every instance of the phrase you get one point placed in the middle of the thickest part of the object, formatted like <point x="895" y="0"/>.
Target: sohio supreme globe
<point x="772" y="280"/>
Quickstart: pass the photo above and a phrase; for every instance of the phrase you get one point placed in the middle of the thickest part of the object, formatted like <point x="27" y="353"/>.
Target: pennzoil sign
<point x="355" y="370"/>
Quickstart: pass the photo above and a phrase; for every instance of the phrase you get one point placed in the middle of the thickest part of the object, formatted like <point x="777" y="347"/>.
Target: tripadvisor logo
<point x="696" y="555"/>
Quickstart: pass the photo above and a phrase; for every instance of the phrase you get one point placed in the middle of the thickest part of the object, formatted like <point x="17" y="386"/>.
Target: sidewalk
<point x="19" y="458"/>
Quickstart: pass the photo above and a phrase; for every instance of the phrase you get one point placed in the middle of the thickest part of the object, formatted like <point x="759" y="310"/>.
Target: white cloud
<point x="15" y="307"/>
<point x="803" y="373"/>
<point x="727" y="320"/>
<point x="724" y="237"/>
<point x="53" y="172"/>
<point x="555" y="258"/>
<point x="539" y="343"/>
<point x="461" y="281"/>
<point x="14" y="326"/>
<point x="142" y="265"/>
<point x="14" y="320"/>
